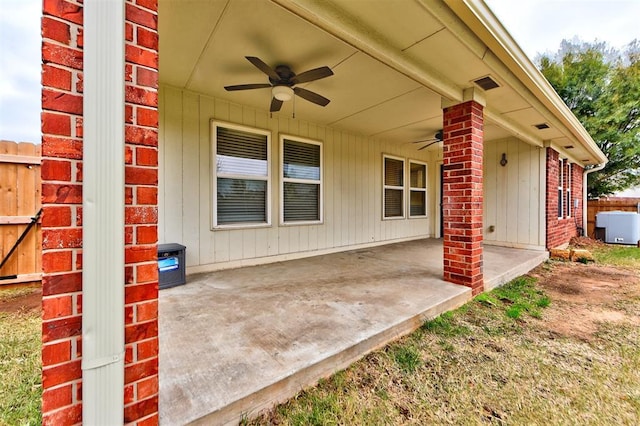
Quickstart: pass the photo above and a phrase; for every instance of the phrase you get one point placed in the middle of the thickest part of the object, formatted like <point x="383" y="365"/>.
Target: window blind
<point x="241" y="200"/>
<point x="241" y="176"/>
<point x="301" y="202"/>
<point x="301" y="181"/>
<point x="392" y="202"/>
<point x="393" y="187"/>
<point x="393" y="172"/>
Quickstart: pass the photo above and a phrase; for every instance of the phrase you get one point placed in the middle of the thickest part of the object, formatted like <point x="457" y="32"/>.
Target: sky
<point x="538" y="26"/>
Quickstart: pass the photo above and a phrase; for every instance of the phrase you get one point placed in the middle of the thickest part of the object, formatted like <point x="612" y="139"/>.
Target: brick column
<point x="62" y="126"/>
<point x="141" y="213"/>
<point x="62" y="212"/>
<point x="462" y="194"/>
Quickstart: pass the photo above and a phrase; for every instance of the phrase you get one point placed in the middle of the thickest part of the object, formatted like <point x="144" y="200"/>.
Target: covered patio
<point x="234" y="342"/>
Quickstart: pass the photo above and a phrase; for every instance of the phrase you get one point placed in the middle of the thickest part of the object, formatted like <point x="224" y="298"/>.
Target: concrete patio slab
<point x="237" y="341"/>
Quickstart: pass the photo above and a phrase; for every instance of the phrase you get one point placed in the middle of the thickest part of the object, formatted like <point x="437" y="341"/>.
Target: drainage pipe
<point x="584" y="195"/>
<point x="103" y="213"/>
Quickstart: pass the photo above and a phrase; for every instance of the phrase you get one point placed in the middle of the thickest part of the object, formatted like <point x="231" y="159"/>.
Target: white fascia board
<point x="103" y="213"/>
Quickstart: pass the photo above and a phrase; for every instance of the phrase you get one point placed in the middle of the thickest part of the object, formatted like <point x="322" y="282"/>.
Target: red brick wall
<point x="141" y="212"/>
<point x="561" y="230"/>
<point x="62" y="212"/>
<point x="462" y="194"/>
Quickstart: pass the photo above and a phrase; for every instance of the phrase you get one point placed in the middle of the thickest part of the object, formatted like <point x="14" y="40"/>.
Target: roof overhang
<point x="483" y="22"/>
<point x="395" y="64"/>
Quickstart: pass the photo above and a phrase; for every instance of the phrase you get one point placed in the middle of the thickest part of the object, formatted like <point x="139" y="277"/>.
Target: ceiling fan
<point x="438" y="137"/>
<point x="282" y="82"/>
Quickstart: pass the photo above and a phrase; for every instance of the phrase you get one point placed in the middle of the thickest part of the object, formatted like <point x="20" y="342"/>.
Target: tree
<point x="602" y="88"/>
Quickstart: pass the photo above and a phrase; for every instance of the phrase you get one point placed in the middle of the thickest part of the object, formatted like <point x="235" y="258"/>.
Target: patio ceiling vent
<point x="541" y="126"/>
<point x="486" y="83"/>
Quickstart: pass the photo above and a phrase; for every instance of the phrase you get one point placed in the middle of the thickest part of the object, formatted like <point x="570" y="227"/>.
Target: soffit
<point x="203" y="45"/>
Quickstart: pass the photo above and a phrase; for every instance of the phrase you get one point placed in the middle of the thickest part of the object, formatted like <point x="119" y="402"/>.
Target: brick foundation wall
<point x="462" y="195"/>
<point x="62" y="87"/>
<point x="561" y="230"/>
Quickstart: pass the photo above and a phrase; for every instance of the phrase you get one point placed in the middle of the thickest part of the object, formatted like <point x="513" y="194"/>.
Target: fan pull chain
<point x="294" y="107"/>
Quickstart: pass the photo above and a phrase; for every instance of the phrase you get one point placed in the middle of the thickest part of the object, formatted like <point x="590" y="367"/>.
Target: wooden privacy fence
<point x="607" y="205"/>
<point x="19" y="203"/>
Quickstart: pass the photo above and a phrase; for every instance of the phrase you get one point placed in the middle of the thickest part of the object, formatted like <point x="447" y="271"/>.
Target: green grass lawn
<point x="20" y="364"/>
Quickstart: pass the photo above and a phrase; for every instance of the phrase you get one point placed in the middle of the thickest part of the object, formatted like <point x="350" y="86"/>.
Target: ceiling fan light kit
<point x="282" y="81"/>
<point x="282" y="93"/>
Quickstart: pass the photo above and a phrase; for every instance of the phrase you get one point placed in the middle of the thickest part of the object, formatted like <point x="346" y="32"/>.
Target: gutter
<point x="584" y="195"/>
<point x="103" y="213"/>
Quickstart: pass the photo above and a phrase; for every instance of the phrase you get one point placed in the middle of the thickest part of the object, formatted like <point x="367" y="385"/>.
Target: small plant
<point x="444" y="325"/>
<point x="543" y="302"/>
<point x="316" y="409"/>
<point x="407" y="358"/>
<point x="514" y="311"/>
<point x="486" y="299"/>
<point x="521" y="296"/>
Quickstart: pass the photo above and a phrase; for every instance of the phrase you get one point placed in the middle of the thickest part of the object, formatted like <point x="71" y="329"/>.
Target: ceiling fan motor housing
<point x="286" y="75"/>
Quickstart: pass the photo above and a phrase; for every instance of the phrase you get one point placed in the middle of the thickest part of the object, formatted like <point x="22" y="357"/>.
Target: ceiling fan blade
<point x="258" y="63"/>
<point x="275" y="105"/>
<point x="428" y="145"/>
<point x="311" y="96"/>
<point x="427" y="140"/>
<point x="247" y="86"/>
<point x="312" y="75"/>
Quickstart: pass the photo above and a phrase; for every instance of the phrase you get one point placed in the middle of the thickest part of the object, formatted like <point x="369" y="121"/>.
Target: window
<point x="301" y="180"/>
<point x="568" y="188"/>
<point x="393" y="197"/>
<point x="417" y="189"/>
<point x="241" y="179"/>
<point x="560" y="188"/>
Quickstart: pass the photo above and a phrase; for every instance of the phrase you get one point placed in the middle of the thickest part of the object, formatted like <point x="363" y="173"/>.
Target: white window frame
<point x="569" y="182"/>
<point x="417" y="189"/>
<point x="401" y="188"/>
<point x="319" y="182"/>
<point x="214" y="176"/>
<point x="560" y="188"/>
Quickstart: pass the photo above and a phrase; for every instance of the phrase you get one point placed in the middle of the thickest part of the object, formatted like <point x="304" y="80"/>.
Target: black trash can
<point x="171" y="265"/>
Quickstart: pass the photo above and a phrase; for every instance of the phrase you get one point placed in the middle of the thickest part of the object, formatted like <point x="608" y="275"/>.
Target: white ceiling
<point x="203" y="45"/>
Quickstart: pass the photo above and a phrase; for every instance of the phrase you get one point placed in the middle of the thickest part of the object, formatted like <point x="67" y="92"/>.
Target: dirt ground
<point x="29" y="299"/>
<point x="585" y="295"/>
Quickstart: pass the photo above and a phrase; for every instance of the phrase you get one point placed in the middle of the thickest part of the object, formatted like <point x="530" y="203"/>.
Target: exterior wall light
<point x="503" y="160"/>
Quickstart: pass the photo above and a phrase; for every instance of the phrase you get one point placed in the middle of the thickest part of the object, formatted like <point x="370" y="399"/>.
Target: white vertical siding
<point x="352" y="188"/>
<point x="513" y="204"/>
